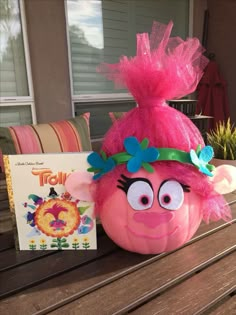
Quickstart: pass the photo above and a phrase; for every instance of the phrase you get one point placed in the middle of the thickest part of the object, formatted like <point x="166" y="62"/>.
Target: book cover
<point x="45" y="215"/>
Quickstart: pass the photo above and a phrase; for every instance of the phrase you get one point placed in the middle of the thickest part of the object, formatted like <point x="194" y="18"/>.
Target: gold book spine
<point x="7" y="168"/>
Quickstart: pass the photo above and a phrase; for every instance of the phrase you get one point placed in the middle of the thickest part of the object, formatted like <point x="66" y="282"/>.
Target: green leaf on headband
<point x="122" y="157"/>
<point x="144" y="144"/>
<point x="93" y="169"/>
<point x="104" y="156"/>
<point x="210" y="167"/>
<point x="148" y="167"/>
<point x="198" y="150"/>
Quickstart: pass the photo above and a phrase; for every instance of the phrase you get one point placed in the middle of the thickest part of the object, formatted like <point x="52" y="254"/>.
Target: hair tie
<point x="151" y="102"/>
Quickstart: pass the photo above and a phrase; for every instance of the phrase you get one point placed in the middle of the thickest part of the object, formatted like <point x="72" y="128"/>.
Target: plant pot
<point x="218" y="162"/>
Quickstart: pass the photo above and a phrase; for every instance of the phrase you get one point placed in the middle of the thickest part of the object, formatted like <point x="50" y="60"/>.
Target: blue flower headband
<point x="138" y="155"/>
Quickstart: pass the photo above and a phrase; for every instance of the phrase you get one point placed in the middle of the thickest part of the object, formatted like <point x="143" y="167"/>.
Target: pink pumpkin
<point x="153" y="183"/>
<point x="154" y="213"/>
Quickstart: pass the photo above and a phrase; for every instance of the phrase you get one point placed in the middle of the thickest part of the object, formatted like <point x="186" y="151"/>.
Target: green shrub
<point x="223" y="140"/>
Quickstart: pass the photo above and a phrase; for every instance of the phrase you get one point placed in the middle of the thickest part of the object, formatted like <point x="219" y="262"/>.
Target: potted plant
<point x="223" y="141"/>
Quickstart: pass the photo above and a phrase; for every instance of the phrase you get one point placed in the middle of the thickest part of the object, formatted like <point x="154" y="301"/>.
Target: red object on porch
<point x="212" y="95"/>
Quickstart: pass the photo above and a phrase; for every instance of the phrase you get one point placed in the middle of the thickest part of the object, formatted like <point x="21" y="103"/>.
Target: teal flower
<point x="100" y="164"/>
<point x="141" y="155"/>
<point x="200" y="159"/>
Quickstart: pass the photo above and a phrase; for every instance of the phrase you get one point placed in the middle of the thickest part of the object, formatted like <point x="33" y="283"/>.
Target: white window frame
<point x="96" y="98"/>
<point x="23" y="100"/>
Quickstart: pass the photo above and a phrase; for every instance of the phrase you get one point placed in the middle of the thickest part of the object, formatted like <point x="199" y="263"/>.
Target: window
<point x="16" y="105"/>
<point x="103" y="30"/>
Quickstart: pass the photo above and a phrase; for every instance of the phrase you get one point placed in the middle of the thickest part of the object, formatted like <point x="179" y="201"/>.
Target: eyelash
<point x="186" y="188"/>
<point x="126" y="182"/>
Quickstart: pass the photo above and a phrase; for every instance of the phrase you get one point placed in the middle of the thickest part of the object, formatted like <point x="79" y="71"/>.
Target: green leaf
<point x="65" y="245"/>
<point x="198" y="150"/>
<point x="104" y="156"/>
<point x="53" y="245"/>
<point x="148" y="167"/>
<point x="93" y="169"/>
<point x="144" y="144"/>
<point x="83" y="209"/>
<point x="121" y="157"/>
<point x="90" y="169"/>
<point x="210" y="167"/>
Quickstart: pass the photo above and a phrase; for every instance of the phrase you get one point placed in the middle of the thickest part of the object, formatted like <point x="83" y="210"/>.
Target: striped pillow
<point x="72" y="135"/>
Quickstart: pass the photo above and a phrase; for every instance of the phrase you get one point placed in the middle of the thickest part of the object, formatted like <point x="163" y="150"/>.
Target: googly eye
<point x="140" y="195"/>
<point x="171" y="195"/>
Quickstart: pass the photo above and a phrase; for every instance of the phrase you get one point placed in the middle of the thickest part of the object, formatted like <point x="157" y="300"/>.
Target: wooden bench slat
<point x="5" y="221"/>
<point x="4" y="204"/>
<point x="2" y="175"/>
<point x="201" y="289"/>
<point x="3" y="194"/>
<point x="50" y="266"/>
<point x="132" y="285"/>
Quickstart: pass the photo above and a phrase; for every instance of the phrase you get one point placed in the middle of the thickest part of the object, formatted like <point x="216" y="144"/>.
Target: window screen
<point x="102" y="31"/>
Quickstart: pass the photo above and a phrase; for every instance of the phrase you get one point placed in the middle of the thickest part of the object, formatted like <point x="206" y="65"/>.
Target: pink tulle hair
<point x="164" y="68"/>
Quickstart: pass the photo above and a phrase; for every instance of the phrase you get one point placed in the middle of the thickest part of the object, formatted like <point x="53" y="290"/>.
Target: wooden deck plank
<point x="227" y="307"/>
<point x="204" y="228"/>
<point x="231" y="197"/>
<point x="200" y="290"/>
<point x="77" y="282"/>
<point x="50" y="266"/>
<point x="59" y="282"/>
<point x="63" y="278"/>
<point x="11" y="258"/>
<point x="152" y="278"/>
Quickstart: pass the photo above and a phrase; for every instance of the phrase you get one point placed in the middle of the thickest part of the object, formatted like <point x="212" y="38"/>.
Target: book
<point x="45" y="215"/>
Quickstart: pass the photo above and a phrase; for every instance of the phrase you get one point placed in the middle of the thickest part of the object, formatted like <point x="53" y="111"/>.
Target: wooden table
<point x="199" y="278"/>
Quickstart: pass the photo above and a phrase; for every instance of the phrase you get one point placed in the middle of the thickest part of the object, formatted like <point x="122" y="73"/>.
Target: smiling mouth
<point x="153" y="237"/>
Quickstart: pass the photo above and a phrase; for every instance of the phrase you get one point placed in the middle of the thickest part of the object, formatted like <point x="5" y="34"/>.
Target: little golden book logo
<point x="47" y="217"/>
